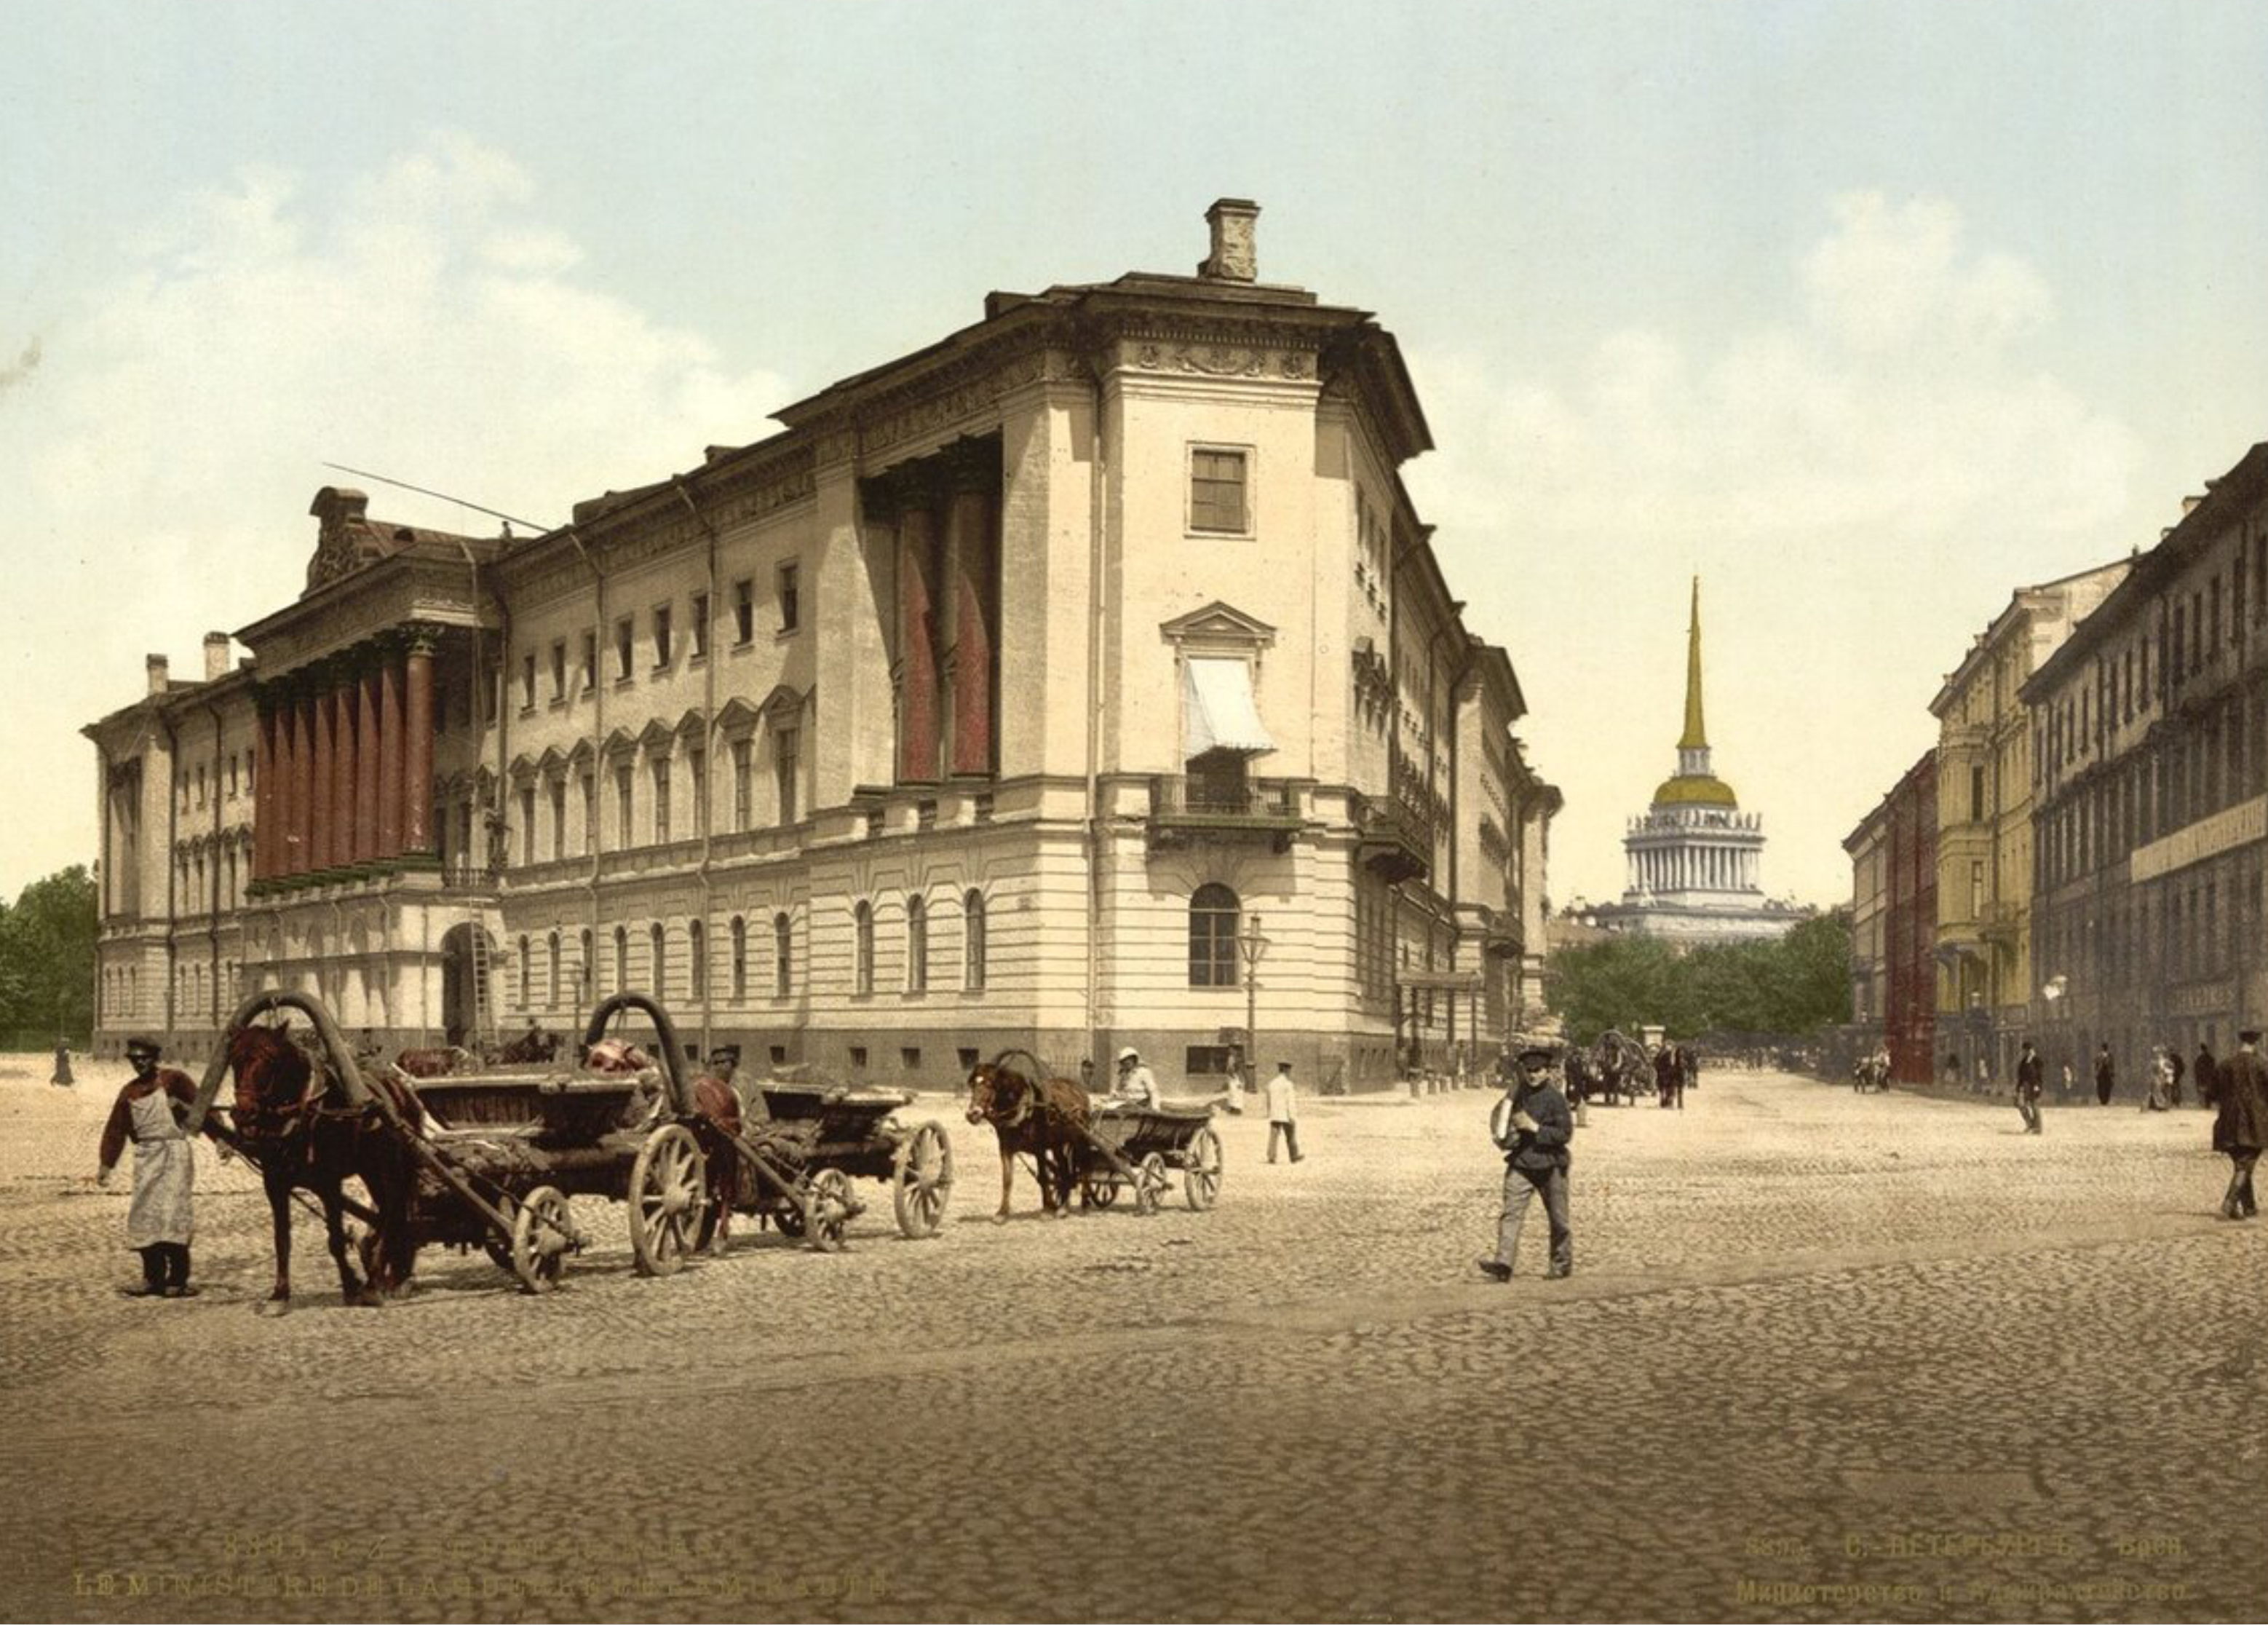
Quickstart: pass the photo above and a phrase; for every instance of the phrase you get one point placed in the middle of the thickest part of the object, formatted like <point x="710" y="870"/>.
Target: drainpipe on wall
<point x="172" y="865"/>
<point x="495" y="819"/>
<point x="704" y="810"/>
<point x="1099" y="597"/>
<point x="591" y="821"/>
<point x="212" y="916"/>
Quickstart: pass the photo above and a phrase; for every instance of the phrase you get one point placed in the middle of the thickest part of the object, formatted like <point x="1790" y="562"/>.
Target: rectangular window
<point x="743" y="787"/>
<point x="558" y="819"/>
<point x="558" y="670"/>
<point x="700" y="626"/>
<point x="623" y="655"/>
<point x="744" y="610"/>
<point x="661" y="639"/>
<point x="625" y="831"/>
<point x="590" y="660"/>
<point x="527" y="826"/>
<point x="785" y="744"/>
<point x="1976" y="796"/>
<point x="527" y="681"/>
<point x="791" y="608"/>
<point x="589" y="813"/>
<point x="1976" y="887"/>
<point x="697" y="780"/>
<point x="661" y="800"/>
<point x="1217" y="490"/>
<point x="491" y="691"/>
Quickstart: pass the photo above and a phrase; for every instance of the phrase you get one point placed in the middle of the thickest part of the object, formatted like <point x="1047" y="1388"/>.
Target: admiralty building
<point x="1074" y="681"/>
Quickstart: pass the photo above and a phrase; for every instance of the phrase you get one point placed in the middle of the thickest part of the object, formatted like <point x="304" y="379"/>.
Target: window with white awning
<point x="1218" y="710"/>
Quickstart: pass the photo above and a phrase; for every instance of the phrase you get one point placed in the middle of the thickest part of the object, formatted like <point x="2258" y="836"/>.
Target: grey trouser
<point x="2239" y="1200"/>
<point x="2030" y="1112"/>
<point x="1518" y="1188"/>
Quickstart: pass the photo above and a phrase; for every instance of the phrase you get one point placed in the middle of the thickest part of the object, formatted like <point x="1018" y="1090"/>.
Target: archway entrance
<point x="467" y="960"/>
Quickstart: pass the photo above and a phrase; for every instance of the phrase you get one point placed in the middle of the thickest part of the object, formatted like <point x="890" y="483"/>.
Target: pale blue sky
<point x="1866" y="313"/>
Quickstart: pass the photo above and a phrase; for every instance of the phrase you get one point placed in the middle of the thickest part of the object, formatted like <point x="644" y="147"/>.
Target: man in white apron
<point x="159" y="1222"/>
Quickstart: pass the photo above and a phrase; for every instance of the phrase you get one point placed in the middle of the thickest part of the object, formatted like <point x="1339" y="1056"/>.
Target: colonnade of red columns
<point x="343" y="763"/>
<point x="947" y="612"/>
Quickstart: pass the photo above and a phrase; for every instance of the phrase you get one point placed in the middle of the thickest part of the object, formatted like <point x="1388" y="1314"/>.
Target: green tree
<point x="1793" y="985"/>
<point x="47" y="955"/>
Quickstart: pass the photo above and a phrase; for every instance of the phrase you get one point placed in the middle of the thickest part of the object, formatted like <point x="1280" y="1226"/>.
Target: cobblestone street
<point x="1824" y="1356"/>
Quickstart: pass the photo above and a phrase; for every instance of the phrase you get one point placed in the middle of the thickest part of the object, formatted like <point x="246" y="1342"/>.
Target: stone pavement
<point x="1825" y="1357"/>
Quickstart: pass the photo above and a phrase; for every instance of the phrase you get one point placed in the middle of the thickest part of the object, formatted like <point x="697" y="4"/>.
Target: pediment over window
<point x="657" y="737"/>
<point x="736" y="715"/>
<point x="1218" y="626"/>
<point x="619" y="744"/>
<point x="783" y="706"/>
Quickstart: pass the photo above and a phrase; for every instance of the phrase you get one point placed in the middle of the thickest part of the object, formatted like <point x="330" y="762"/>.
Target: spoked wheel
<point x="668" y="1191"/>
<point x="1099" y="1191"/>
<point x="1201" y="1174"/>
<point x="543" y="1235"/>
<point x="830" y="1209"/>
<point x="921" y="1179"/>
<point x="788" y="1220"/>
<point x="1151" y="1182"/>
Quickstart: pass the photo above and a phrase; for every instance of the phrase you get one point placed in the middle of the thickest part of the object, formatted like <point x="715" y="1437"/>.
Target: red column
<point x="300" y="826"/>
<point x="970" y="550"/>
<point x="417" y="753"/>
<point x="263" y="792"/>
<point x="917" y="676"/>
<point x="342" y="770"/>
<point x="366" y="754"/>
<point x="391" y="740"/>
<point x="319" y="768"/>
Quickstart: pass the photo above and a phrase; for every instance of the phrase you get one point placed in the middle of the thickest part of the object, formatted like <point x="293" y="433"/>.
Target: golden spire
<point x="1695" y="737"/>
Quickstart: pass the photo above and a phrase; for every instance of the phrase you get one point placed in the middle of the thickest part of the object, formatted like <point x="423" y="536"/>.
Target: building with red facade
<point x="1910" y="924"/>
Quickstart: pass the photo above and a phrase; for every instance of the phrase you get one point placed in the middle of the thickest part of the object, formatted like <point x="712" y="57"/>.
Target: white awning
<point x="1218" y="709"/>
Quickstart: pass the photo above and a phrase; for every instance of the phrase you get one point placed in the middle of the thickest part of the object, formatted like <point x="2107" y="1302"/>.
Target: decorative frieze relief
<point x="1217" y="360"/>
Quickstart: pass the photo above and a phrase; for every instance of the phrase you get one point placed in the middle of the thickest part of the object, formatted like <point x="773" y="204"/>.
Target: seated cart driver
<point x="1137" y="1086"/>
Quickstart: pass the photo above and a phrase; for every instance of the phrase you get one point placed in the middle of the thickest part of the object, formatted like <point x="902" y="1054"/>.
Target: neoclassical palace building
<point x="1084" y="678"/>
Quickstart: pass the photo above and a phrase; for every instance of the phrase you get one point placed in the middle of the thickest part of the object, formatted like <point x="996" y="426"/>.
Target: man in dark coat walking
<point x="2106" y="1077"/>
<point x="2206" y="1070"/>
<point x="2029" y="1087"/>
<point x="1531" y="1124"/>
<point x="2241" y="1126"/>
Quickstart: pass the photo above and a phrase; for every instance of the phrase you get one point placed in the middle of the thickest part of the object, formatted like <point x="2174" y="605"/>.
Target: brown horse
<point x="441" y="1063"/>
<point x="531" y="1048"/>
<point x="295" y="1123"/>
<point x="1046" y="1120"/>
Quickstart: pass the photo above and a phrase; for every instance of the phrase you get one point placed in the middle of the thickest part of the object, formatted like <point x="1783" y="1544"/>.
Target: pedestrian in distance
<point x="2176" y="1067"/>
<point x="1233" y="1087"/>
<point x="2106" y="1075"/>
<point x="1530" y="1124"/>
<point x="2063" y="1084"/>
<point x="1283" y="1112"/>
<point x="2207" y="1072"/>
<point x="62" y="1077"/>
<point x="2239" y="1127"/>
<point x="160" y="1219"/>
<point x="2162" y="1081"/>
<point x="2029" y="1087"/>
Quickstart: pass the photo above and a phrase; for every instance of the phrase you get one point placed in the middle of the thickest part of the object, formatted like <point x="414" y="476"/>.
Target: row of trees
<point x="46" y="960"/>
<point x="1790" y="986"/>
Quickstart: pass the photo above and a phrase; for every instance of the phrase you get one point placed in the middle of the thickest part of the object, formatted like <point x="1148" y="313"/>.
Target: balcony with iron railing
<point x="1184" y="807"/>
<point x="1393" y="836"/>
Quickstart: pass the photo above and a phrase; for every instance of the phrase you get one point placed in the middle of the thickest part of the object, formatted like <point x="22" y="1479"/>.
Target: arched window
<point x="739" y="960"/>
<point x="916" y="944"/>
<point x="621" y="958"/>
<point x="553" y="998"/>
<point x="657" y="962"/>
<point x="526" y="958"/>
<point x="783" y="957"/>
<point x="972" y="953"/>
<point x="863" y="958"/>
<point x="698" y="954"/>
<point x="1213" y="937"/>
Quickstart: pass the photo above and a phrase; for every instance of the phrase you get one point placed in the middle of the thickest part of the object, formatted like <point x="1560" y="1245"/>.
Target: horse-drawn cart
<point x="805" y="1143"/>
<point x="1139" y="1149"/>
<point x="493" y="1159"/>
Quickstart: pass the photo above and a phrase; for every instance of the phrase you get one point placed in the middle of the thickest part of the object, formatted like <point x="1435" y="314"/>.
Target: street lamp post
<point x="1253" y="946"/>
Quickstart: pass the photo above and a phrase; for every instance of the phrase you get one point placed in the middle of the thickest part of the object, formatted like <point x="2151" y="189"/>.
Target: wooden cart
<point x="1141" y="1147"/>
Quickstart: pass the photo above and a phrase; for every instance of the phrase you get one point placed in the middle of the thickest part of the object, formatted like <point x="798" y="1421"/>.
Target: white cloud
<point x="1898" y="422"/>
<point x="425" y="321"/>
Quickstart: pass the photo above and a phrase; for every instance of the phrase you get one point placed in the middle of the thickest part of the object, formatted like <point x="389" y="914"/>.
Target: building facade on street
<point x="1695" y="857"/>
<point x="1071" y="682"/>
<point x="1869" y="846"/>
<point x="1984" y="822"/>
<point x="2149" y="732"/>
<point x="1907" y="816"/>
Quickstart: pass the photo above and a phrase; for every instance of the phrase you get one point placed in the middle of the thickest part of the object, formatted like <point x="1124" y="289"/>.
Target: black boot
<point x="153" y="1275"/>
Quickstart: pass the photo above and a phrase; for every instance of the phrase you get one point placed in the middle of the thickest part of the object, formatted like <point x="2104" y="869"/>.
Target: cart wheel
<point x="1099" y="1191"/>
<point x="787" y="1219"/>
<point x="499" y="1252"/>
<point x="1200" y="1173"/>
<point x="921" y="1178"/>
<point x="668" y="1190"/>
<point x="830" y="1210"/>
<point x="543" y="1235"/>
<point x="1151" y="1182"/>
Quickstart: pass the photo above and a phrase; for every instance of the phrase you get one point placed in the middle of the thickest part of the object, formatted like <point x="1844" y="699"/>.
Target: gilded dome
<point x="1694" y="790"/>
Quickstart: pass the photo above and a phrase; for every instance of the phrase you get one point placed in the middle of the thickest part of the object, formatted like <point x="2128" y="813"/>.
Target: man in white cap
<point x="1283" y="1112"/>
<point x="1136" y="1085"/>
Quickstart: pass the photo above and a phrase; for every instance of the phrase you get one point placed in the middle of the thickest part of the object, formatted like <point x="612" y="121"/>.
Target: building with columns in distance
<point x="996" y="699"/>
<point x="1695" y="857"/>
<point x="2149" y="771"/>
<point x="1984" y="822"/>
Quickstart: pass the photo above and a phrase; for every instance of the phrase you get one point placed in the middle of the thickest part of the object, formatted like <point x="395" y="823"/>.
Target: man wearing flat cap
<point x="159" y="1221"/>
<point x="2239" y="1127"/>
<point x="1531" y="1124"/>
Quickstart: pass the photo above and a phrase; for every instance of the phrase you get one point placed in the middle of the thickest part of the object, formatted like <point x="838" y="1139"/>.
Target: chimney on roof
<point x="216" y="656"/>
<point x="2190" y="504"/>
<point x="338" y="504"/>
<point x="157" y="665"/>
<point x="1235" y="258"/>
